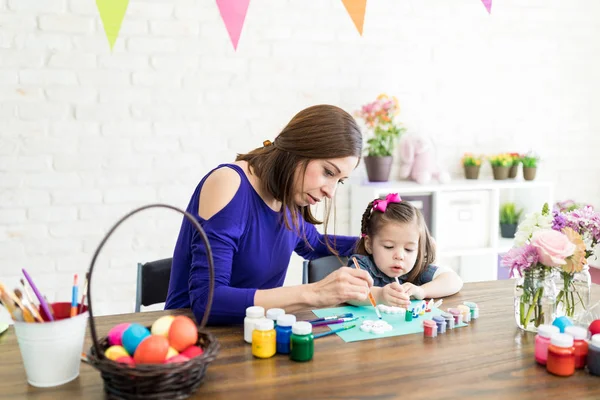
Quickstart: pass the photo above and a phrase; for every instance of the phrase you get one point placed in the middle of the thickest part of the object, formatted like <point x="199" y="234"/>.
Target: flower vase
<point x="574" y="294"/>
<point x="535" y="297"/>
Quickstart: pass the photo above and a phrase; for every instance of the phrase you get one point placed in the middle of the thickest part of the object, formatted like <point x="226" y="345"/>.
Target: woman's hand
<point x="415" y="291"/>
<point x="394" y="295"/>
<point x="342" y="285"/>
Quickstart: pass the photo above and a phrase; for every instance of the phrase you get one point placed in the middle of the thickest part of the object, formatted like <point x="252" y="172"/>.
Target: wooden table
<point x="491" y="358"/>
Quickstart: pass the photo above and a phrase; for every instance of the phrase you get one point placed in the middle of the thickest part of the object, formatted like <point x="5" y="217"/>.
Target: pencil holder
<point x="153" y="381"/>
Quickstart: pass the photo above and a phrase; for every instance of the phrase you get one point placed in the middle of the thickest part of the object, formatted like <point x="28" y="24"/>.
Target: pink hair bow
<point x="381" y="205"/>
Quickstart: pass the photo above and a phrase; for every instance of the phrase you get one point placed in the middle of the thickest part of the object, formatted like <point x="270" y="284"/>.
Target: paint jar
<point x="561" y="355"/>
<point x="408" y="316"/>
<point x="283" y="332"/>
<point x="579" y="343"/>
<point x="465" y="312"/>
<point x="302" y="343"/>
<point x="473" y="308"/>
<point x="253" y="314"/>
<point x="273" y="313"/>
<point x="593" y="357"/>
<point x="456" y="314"/>
<point x="429" y="328"/>
<point x="263" y="339"/>
<point x="542" y="341"/>
<point x="441" y="323"/>
<point x="449" y="320"/>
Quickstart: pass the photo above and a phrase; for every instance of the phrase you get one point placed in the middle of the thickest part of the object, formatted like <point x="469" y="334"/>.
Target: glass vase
<point x="535" y="298"/>
<point x="574" y="294"/>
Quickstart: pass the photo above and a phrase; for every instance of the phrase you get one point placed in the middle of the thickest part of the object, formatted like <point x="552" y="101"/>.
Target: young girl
<point x="395" y="243"/>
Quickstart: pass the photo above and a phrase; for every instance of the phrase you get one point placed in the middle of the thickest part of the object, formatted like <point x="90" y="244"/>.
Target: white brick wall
<point x="86" y="134"/>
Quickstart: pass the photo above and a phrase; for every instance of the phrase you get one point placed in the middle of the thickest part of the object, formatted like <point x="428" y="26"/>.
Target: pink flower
<point x="553" y="247"/>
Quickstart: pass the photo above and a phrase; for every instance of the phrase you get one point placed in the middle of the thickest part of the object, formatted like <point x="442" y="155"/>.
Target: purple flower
<point x="520" y="258"/>
<point x="559" y="221"/>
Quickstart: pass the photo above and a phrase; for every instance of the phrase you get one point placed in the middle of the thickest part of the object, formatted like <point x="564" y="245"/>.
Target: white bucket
<point x="51" y="351"/>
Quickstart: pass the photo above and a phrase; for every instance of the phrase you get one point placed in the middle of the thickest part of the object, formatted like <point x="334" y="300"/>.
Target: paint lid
<point x="561" y="340"/>
<point x="301" y="328"/>
<point x="596" y="340"/>
<point x="264" y="324"/>
<point x="547" y="331"/>
<point x="286" y="320"/>
<point x="470" y="304"/>
<point x="446" y="315"/>
<point x="429" y="323"/>
<point x="273" y="313"/>
<point x="438" y="319"/>
<point x="255" y="312"/>
<point x="463" y="308"/>
<point x="577" y="332"/>
<point x="454" y="311"/>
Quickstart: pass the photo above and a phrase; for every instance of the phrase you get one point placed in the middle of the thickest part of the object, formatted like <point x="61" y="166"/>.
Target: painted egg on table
<point x="115" y="352"/>
<point x="133" y="336"/>
<point x="126" y="360"/>
<point x="116" y="333"/>
<point x="171" y="353"/>
<point x="161" y="326"/>
<point x="152" y="350"/>
<point x="183" y="333"/>
<point x="192" y="351"/>
<point x="178" y="358"/>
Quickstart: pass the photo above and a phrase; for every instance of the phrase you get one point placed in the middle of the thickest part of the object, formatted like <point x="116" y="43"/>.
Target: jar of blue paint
<point x="283" y="331"/>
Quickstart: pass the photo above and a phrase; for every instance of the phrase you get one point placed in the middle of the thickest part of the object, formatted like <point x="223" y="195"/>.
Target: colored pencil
<point x="43" y="302"/>
<point x="344" y="328"/>
<point x="334" y="321"/>
<point x="371" y="298"/>
<point x="74" y="296"/>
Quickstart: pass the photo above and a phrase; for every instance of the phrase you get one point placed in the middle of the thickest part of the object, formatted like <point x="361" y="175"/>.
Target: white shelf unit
<point x="464" y="217"/>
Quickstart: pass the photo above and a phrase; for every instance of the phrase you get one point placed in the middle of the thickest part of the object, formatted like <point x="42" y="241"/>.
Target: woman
<point x="256" y="212"/>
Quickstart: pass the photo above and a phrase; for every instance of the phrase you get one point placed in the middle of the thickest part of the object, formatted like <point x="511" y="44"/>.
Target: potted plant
<point x="501" y="164"/>
<point x="514" y="168"/>
<point x="471" y="164"/>
<point x="509" y="219"/>
<point x="379" y="116"/>
<point x="530" y="161"/>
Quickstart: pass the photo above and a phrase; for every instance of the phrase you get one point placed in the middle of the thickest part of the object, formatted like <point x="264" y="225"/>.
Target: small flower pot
<point x="512" y="173"/>
<point x="529" y="173"/>
<point x="500" y="173"/>
<point x="508" y="230"/>
<point x="472" y="171"/>
<point x="378" y="168"/>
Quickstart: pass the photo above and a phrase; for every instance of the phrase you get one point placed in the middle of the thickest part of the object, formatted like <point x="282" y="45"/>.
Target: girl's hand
<point x="415" y="291"/>
<point x="345" y="284"/>
<point x="393" y="295"/>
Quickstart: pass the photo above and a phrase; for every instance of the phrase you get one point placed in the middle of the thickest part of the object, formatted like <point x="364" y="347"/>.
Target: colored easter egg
<point x="171" y="353"/>
<point x="183" y="333"/>
<point x="161" y="326"/>
<point x="116" y="333"/>
<point x="192" y="351"/>
<point x="126" y="360"/>
<point x="115" y="352"/>
<point x="152" y="350"/>
<point x="594" y="327"/>
<point x="178" y="358"/>
<point x="133" y="336"/>
<point x="562" y="322"/>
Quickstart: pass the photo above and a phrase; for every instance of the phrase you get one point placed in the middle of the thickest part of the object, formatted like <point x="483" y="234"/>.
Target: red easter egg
<point x="182" y="333"/>
<point x="126" y="360"/>
<point x="176" y="359"/>
<point x="192" y="351"/>
<point x="152" y="350"/>
<point x="595" y="327"/>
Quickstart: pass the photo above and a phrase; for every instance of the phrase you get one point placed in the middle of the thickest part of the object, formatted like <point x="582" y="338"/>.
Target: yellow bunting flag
<point x="111" y="14"/>
<point x="356" y="9"/>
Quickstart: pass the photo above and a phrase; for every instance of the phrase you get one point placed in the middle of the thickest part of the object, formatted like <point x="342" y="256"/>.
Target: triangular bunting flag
<point x="111" y="14"/>
<point x="233" y="13"/>
<point x="488" y="5"/>
<point x="356" y="9"/>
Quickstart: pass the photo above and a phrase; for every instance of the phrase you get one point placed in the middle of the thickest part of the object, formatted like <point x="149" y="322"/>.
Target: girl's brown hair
<point x="402" y="213"/>
<point x="317" y="132"/>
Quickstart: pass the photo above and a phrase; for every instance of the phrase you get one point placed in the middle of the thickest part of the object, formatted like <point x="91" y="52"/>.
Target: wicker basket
<point x="153" y="381"/>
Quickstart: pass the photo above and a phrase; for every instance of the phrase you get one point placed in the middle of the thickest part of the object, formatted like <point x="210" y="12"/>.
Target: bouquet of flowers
<point x="471" y="160"/>
<point x="379" y="116"/>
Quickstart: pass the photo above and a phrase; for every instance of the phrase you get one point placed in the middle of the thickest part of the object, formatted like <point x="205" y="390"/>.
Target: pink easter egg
<point x="116" y="333"/>
<point x="177" y="359"/>
<point x="192" y="351"/>
<point x="126" y="360"/>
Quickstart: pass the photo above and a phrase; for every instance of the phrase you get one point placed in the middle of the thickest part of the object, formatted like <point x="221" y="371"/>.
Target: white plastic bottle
<point x="253" y="314"/>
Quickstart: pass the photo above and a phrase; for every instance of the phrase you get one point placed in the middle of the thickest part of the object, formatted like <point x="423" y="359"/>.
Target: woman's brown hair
<point x="317" y="132"/>
<point x="401" y="213"/>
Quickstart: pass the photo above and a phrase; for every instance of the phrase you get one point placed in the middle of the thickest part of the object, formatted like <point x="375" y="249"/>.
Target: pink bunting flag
<point x="233" y="13"/>
<point x="488" y="5"/>
<point x="356" y="9"/>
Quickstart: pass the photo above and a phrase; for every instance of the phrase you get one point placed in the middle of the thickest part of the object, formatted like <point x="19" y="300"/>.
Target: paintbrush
<point x="371" y="298"/>
<point x="344" y="328"/>
<point x="10" y="297"/>
<point x="84" y="293"/>
<point x="32" y="305"/>
<point x="28" y="309"/>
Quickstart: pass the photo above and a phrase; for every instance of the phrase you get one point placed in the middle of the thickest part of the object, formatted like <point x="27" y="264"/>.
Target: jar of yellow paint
<point x="264" y="343"/>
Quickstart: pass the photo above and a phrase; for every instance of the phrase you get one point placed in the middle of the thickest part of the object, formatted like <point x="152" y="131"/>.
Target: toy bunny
<point x="417" y="160"/>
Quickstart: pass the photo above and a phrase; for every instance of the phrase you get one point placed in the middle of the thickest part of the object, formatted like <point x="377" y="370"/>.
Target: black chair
<point x="319" y="268"/>
<point x="152" y="282"/>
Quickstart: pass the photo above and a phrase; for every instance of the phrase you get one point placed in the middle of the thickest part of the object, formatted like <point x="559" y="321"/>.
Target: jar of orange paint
<point x="561" y="355"/>
<point x="580" y="344"/>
